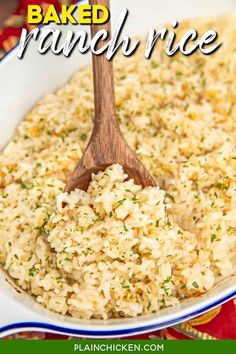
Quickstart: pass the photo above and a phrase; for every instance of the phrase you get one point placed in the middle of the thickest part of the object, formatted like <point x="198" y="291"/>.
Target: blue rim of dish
<point x="2" y="60"/>
<point x="97" y="333"/>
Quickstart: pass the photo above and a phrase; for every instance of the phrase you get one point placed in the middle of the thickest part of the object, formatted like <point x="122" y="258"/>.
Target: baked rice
<point x="179" y="115"/>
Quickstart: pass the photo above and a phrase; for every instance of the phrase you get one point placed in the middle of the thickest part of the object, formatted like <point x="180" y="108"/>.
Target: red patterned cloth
<point x="10" y="33"/>
<point x="219" y="323"/>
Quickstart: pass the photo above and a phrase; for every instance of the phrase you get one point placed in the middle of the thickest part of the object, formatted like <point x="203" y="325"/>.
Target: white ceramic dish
<point x="22" y="83"/>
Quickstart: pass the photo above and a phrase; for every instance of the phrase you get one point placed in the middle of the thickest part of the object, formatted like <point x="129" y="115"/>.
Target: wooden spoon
<point x="107" y="144"/>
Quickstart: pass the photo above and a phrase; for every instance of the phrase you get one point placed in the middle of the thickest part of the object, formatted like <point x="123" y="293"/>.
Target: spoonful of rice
<point x="107" y="145"/>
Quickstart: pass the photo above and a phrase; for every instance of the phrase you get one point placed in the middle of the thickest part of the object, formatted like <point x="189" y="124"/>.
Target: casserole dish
<point x="23" y="82"/>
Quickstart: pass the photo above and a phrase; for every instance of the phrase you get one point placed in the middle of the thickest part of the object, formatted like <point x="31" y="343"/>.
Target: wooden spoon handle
<point x="103" y="81"/>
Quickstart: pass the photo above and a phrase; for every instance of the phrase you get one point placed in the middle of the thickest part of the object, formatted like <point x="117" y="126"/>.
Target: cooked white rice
<point x="119" y="250"/>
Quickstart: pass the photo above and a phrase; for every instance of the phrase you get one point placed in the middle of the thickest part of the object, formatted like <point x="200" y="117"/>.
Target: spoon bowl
<point x="105" y="149"/>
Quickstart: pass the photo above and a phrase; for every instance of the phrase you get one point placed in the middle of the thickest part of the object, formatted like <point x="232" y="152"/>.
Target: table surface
<point x="6" y="8"/>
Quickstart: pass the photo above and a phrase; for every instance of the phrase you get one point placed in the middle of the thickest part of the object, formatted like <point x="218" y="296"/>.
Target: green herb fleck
<point x="167" y="280"/>
<point x="33" y="271"/>
<point x="22" y="184"/>
<point x="121" y="202"/>
<point x="195" y="284"/>
<point x="83" y="137"/>
<point x="135" y="200"/>
<point x="213" y="237"/>
<point x="170" y="197"/>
